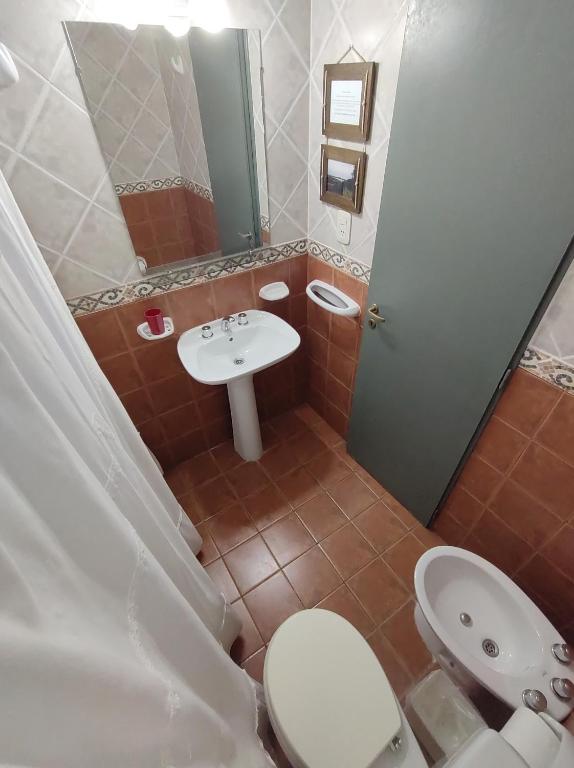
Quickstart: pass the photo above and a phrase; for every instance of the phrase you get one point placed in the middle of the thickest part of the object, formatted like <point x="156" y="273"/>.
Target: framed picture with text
<point x="343" y="177"/>
<point x="348" y="94"/>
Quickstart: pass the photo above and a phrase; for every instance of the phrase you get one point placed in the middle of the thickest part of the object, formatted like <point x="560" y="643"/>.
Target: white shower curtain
<point x="112" y="636"/>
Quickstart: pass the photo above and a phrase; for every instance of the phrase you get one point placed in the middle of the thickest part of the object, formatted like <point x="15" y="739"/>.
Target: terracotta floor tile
<point x="402" y="558"/>
<point x="399" y="678"/>
<point x="250" y="563"/>
<point x="380" y="526"/>
<point x="307" y="414"/>
<point x="401" y="632"/>
<point x="341" y="451"/>
<point x="427" y="537"/>
<point x="271" y="603"/>
<point x="352" y="495"/>
<point x="231" y="527"/>
<point x="254" y="665"/>
<point x="278" y="460"/>
<point x="214" y="496"/>
<point x="348" y="550"/>
<point x="269" y="436"/>
<point x="343" y="602"/>
<point x="327" y="434"/>
<point x="312" y="577"/>
<point x="400" y="511"/>
<point x="191" y="507"/>
<point x="304" y="446"/>
<point x="371" y="483"/>
<point x="219" y="574"/>
<point x="267" y="506"/>
<point x="321" y="516"/>
<point x="378" y="590"/>
<point x="298" y="486"/>
<point x="287" y="539"/>
<point x="249" y="640"/>
<point x="225" y="456"/>
<point x="328" y="469"/>
<point x="178" y="480"/>
<point x="201" y="468"/>
<point x="247" y="479"/>
<point x="287" y="424"/>
<point x="208" y="552"/>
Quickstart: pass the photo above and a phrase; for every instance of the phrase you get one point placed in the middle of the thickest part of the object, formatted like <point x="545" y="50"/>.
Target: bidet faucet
<point x="226" y="324"/>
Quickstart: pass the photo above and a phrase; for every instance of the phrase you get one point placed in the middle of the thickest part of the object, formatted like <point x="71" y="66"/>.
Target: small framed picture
<point x="343" y="177"/>
<point x="348" y="91"/>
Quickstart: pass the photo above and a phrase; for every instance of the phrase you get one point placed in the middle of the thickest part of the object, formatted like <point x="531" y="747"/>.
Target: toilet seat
<point x="328" y="697"/>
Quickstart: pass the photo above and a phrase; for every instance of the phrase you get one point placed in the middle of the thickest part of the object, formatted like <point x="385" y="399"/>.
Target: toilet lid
<point x="328" y="696"/>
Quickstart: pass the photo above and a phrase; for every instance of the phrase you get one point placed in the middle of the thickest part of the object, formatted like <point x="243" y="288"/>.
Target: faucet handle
<point x="206" y="332"/>
<point x="563" y="652"/>
<point x="242" y="318"/>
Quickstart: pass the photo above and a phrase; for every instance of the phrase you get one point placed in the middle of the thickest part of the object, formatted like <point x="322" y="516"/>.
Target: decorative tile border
<point x="148" y="185"/>
<point x="265" y="223"/>
<point x="151" y="185"/>
<point x="356" y="269"/>
<point x="182" y="277"/>
<point x="548" y="368"/>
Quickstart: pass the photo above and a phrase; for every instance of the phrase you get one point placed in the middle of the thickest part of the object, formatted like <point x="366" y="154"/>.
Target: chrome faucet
<point x="226" y="324"/>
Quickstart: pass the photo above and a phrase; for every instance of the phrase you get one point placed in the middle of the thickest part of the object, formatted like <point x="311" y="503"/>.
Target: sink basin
<point x="480" y="626"/>
<point x="245" y="350"/>
<point x="232" y="357"/>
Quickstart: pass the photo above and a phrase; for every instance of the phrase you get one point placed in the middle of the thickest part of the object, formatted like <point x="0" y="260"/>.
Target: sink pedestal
<point x="246" y="431"/>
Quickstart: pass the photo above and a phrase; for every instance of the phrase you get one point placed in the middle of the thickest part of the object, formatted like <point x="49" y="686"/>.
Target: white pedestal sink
<point x="232" y="358"/>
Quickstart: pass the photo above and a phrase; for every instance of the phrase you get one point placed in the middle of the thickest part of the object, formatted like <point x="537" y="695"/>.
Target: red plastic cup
<point x="155" y="321"/>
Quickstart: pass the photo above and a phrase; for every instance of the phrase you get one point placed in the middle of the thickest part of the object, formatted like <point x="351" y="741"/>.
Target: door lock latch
<point x="374" y="317"/>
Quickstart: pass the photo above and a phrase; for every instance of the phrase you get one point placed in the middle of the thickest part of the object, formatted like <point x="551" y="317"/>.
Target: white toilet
<point x="331" y="706"/>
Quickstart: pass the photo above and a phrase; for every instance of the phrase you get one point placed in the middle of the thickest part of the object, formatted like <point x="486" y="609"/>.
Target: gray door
<point x="220" y="67"/>
<point x="476" y="216"/>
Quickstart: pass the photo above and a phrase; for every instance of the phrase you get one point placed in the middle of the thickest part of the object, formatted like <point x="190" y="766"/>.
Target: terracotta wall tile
<point x="524" y="514"/>
<point x="462" y="507"/>
<point x="320" y="270"/>
<point x="234" y="294"/>
<point x="526" y="401"/>
<point x="557" y="432"/>
<point x="180" y="421"/>
<point x="171" y="393"/>
<point x="341" y="367"/>
<point x="349" y="285"/>
<point x="493" y="540"/>
<point x="547" y="478"/>
<point x="158" y="360"/>
<point x="122" y="372"/>
<point x="191" y="306"/>
<point x="560" y="551"/>
<point x="522" y="471"/>
<point x="479" y="478"/>
<point x="138" y="405"/>
<point x="318" y="319"/>
<point x="500" y="445"/>
<point x="103" y="333"/>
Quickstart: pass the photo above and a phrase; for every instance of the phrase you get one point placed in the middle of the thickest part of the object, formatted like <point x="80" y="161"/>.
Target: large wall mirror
<point x="180" y="124"/>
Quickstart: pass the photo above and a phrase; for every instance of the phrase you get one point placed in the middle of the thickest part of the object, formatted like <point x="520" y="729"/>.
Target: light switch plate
<point x="344" y="227"/>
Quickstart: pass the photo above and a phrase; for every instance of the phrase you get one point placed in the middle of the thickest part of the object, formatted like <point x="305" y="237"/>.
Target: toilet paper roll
<point x="528" y="734"/>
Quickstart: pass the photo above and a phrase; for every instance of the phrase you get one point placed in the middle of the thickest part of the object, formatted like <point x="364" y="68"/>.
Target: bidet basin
<point x="478" y="623"/>
<point x="230" y="353"/>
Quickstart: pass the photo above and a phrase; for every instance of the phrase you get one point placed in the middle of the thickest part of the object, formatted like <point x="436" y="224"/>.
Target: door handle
<point x="374" y="317"/>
